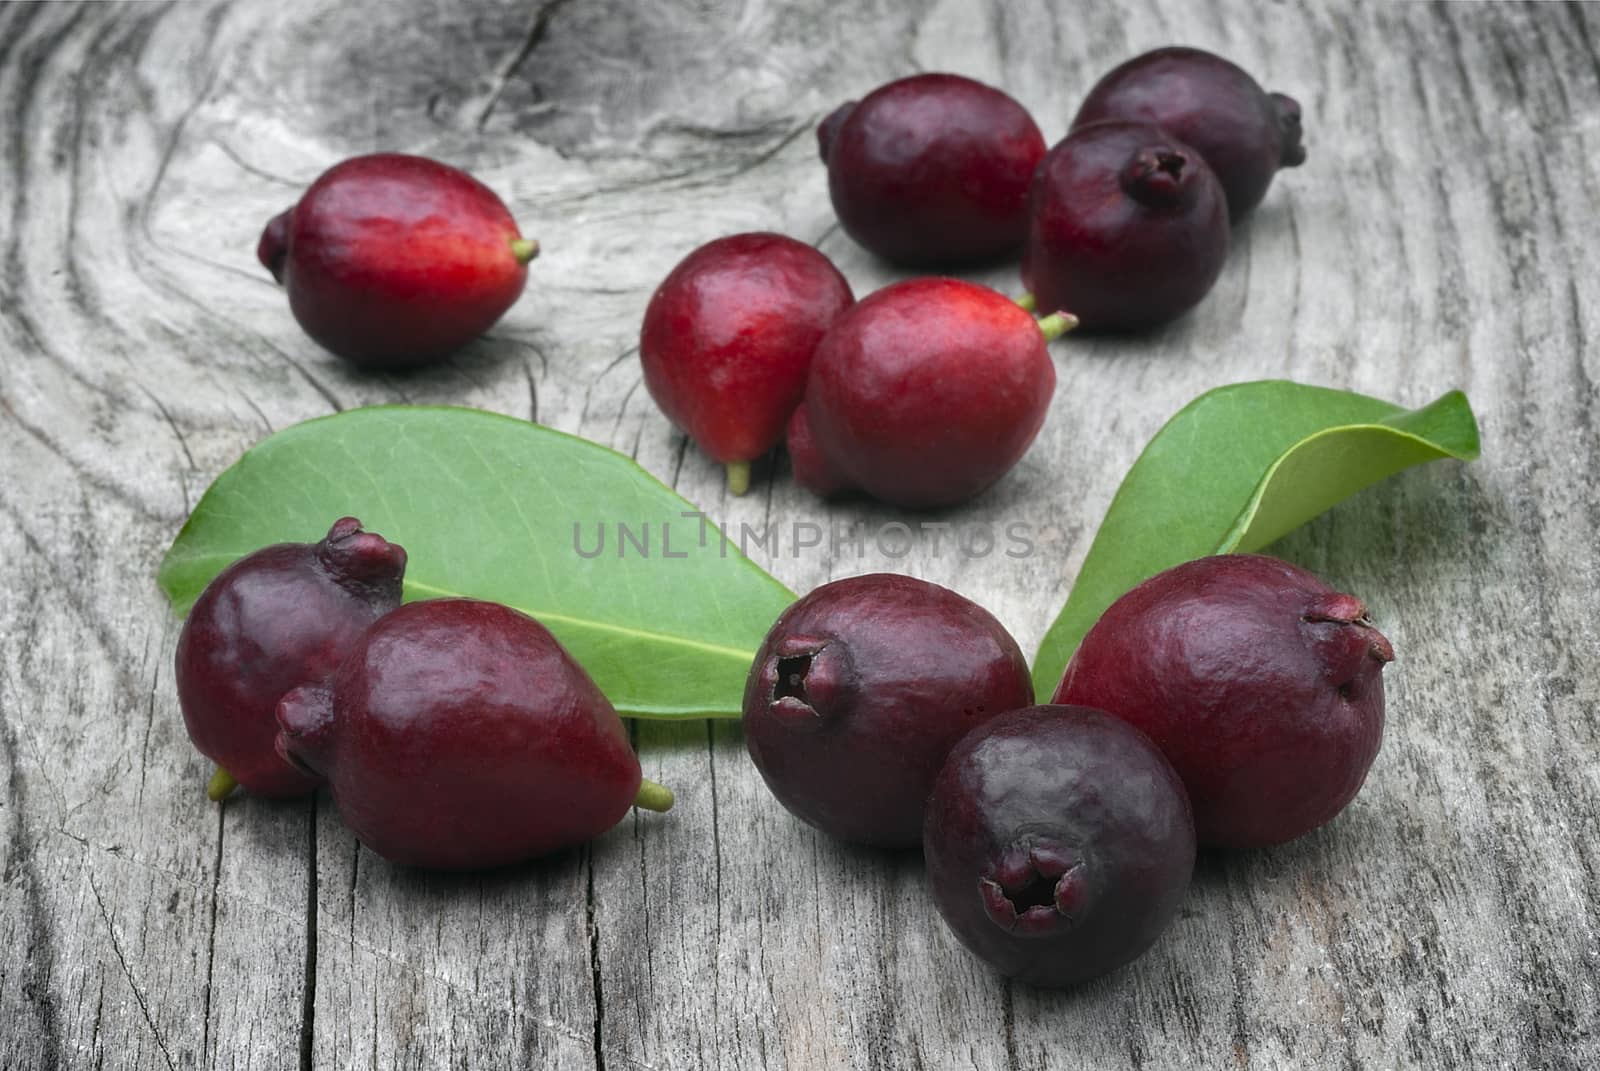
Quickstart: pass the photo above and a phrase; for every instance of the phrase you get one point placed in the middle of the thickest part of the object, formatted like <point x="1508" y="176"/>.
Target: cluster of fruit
<point x="928" y="391"/>
<point x="1234" y="699"/>
<point x="454" y="733"/>
<point x="924" y="393"/>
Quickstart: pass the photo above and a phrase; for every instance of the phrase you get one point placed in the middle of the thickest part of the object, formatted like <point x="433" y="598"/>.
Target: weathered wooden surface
<point x="1443" y="234"/>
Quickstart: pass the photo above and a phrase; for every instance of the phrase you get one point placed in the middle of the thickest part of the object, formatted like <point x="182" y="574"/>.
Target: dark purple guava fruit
<point x="1127" y="228"/>
<point x="1245" y="133"/>
<point x="275" y="619"/>
<point x="932" y="170"/>
<point x="459" y="734"/>
<point x="1261" y="684"/>
<point x="860" y="690"/>
<point x="1059" y="844"/>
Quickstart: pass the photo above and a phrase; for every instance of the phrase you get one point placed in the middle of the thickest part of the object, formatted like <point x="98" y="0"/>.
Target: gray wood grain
<point x="1442" y="235"/>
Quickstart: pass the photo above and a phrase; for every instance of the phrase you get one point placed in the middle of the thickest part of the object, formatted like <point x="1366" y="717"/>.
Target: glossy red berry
<point x="459" y="734"/>
<point x="728" y="338"/>
<point x="395" y="261"/>
<point x="859" y="692"/>
<point x="1128" y="228"/>
<point x="1245" y="133"/>
<point x="1059" y="844"/>
<point x="1261" y="684"/>
<point x="932" y="170"/>
<point x="273" y="620"/>
<point x="923" y="394"/>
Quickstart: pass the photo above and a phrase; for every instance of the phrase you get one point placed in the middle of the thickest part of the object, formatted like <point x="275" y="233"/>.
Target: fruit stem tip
<point x="524" y="249"/>
<point x="1057" y="324"/>
<point x="653" y="797"/>
<point x="220" y="785"/>
<point x="738" y="477"/>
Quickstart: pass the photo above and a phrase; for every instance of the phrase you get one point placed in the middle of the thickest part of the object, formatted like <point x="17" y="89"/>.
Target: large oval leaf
<point x="1237" y="468"/>
<point x="486" y="506"/>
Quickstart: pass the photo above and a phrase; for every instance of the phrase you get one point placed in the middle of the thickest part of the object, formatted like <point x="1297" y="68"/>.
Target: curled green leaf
<point x="664" y="614"/>
<point x="1237" y="468"/>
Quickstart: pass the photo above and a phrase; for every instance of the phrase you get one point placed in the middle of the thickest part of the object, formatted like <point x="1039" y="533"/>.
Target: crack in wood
<point x="211" y="931"/>
<point x="127" y="971"/>
<point x="37" y="984"/>
<point x="537" y="30"/>
<point x="594" y="963"/>
<point x="149" y="717"/>
<point x="183" y="444"/>
<point x="99" y="1014"/>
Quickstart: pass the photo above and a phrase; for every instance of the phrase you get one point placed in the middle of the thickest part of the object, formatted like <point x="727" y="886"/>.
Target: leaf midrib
<point x="546" y="616"/>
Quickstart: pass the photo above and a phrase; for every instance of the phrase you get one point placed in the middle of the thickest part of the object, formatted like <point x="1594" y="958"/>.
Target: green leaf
<point x="486" y="506"/>
<point x="1237" y="468"/>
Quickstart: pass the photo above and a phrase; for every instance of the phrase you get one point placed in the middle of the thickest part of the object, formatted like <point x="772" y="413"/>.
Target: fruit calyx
<point x="305" y="728"/>
<point x="1341" y="609"/>
<point x="1036" y="887"/>
<point x="809" y="681"/>
<point x="361" y="560"/>
<point x="273" y="249"/>
<point x="1291" y="152"/>
<point x="1158" y="176"/>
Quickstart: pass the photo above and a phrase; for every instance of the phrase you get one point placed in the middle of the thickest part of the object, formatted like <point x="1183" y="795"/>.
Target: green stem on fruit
<point x="220" y="785"/>
<point x="1028" y="302"/>
<point x="738" y="477"/>
<point x="524" y="249"/>
<point x="653" y="797"/>
<point x="1057" y="324"/>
